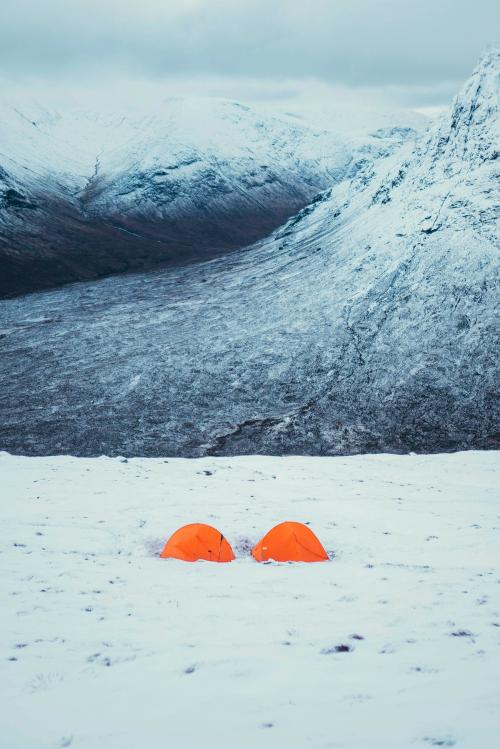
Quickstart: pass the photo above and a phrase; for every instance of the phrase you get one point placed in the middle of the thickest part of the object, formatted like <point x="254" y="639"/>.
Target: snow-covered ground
<point x="103" y="644"/>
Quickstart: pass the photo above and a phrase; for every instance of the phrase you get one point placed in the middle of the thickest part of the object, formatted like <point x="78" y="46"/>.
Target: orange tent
<point x="198" y="541"/>
<point x="290" y="542"/>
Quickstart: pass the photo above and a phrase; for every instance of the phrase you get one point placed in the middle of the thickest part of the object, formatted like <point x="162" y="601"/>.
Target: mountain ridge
<point x="85" y="194"/>
<point x="367" y="323"/>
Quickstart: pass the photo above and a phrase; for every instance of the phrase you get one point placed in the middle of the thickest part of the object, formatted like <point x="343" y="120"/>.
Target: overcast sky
<point x="421" y="48"/>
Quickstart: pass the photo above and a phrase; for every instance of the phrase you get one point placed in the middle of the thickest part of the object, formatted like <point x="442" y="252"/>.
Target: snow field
<point x="102" y="644"/>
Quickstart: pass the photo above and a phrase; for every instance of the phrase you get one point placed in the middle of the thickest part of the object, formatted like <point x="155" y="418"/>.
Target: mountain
<point x="84" y="194"/>
<point x="366" y="323"/>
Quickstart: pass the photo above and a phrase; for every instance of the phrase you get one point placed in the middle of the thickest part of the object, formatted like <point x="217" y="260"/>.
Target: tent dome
<point x="198" y="541"/>
<point x="290" y="542"/>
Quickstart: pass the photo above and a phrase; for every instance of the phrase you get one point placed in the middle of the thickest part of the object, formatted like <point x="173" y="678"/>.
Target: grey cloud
<point x="353" y="42"/>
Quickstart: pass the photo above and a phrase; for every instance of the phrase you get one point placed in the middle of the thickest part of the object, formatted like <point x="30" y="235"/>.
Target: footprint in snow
<point x="154" y="546"/>
<point x="445" y="741"/>
<point x="44" y="681"/>
<point x="243" y="546"/>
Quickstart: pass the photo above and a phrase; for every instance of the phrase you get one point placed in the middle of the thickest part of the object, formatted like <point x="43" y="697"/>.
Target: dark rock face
<point x="362" y="325"/>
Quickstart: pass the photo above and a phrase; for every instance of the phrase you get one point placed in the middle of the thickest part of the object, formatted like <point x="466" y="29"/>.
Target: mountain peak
<point x="490" y="61"/>
<point x="470" y="126"/>
<point x="467" y="135"/>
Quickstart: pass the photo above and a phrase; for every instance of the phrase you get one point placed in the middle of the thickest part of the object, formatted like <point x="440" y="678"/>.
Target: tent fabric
<point x="198" y="541"/>
<point x="290" y="542"/>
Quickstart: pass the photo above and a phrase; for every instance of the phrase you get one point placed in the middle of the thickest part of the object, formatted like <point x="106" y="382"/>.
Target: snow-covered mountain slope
<point x="366" y="323"/>
<point x="393" y="644"/>
<point x="85" y="194"/>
